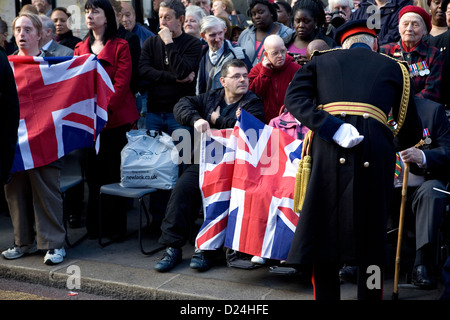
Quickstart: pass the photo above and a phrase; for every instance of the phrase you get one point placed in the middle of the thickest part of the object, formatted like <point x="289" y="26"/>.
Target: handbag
<point x="149" y="160"/>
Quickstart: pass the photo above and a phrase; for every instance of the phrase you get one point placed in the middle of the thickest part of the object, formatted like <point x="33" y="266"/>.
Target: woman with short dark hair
<point x="104" y="167"/>
<point x="308" y="20"/>
<point x="64" y="36"/>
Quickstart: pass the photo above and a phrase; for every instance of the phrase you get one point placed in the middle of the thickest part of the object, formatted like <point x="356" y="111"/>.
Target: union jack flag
<point x="63" y="106"/>
<point x="247" y="178"/>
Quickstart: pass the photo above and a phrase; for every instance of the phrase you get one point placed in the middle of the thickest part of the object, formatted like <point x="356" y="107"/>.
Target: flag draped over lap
<point x="247" y="179"/>
<point x="63" y="106"/>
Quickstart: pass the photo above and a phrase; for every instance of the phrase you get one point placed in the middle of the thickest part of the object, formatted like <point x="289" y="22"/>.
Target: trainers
<point x="54" y="256"/>
<point x="258" y="260"/>
<point x="171" y="257"/>
<point x="17" y="252"/>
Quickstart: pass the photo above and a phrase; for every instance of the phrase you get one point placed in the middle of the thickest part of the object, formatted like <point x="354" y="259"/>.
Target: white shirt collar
<point x="47" y="45"/>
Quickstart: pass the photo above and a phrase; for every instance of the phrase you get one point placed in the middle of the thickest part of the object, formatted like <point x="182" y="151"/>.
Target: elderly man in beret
<point x="425" y="62"/>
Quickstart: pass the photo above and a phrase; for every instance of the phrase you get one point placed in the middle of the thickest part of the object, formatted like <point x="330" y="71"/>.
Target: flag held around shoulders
<point x="247" y="179"/>
<point x="63" y="106"/>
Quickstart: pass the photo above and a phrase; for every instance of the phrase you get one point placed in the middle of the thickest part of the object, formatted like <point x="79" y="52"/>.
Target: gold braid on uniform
<point x="303" y="173"/>
<point x="405" y="98"/>
<point x="406" y="91"/>
<point x="319" y="52"/>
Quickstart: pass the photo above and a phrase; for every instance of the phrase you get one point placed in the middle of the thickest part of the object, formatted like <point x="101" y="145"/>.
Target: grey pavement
<point x="121" y="271"/>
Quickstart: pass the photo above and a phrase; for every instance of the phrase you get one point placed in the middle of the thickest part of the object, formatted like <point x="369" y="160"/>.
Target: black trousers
<point x="182" y="209"/>
<point x="104" y="168"/>
<point x="423" y="215"/>
<point x="326" y="282"/>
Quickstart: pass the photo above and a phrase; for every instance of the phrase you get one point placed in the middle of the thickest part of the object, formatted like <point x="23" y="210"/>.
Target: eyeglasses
<point x="238" y="76"/>
<point x="277" y="53"/>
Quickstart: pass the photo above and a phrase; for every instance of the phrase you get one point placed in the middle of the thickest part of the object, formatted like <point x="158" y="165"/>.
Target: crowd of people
<point x="368" y="86"/>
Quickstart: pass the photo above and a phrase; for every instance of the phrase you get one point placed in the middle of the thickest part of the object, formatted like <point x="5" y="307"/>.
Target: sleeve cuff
<point x="329" y="128"/>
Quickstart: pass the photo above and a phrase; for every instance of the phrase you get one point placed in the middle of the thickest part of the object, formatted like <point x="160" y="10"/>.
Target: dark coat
<point x="319" y="35"/>
<point x="135" y="51"/>
<point x="442" y="42"/>
<point x="437" y="153"/>
<point x="9" y="103"/>
<point x="190" y="109"/>
<point x="162" y="65"/>
<point x="68" y="39"/>
<point x="388" y="18"/>
<point x="347" y="200"/>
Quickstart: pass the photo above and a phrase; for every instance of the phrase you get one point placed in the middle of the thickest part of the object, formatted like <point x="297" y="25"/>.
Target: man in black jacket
<point x="430" y="168"/>
<point x="9" y="101"/>
<point x="213" y="109"/>
<point x="169" y="64"/>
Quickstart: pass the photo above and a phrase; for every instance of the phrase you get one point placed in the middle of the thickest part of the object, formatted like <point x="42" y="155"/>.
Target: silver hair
<point x="47" y="23"/>
<point x="195" y="11"/>
<point x="211" y="21"/>
<point x="333" y="3"/>
<point x="359" y="38"/>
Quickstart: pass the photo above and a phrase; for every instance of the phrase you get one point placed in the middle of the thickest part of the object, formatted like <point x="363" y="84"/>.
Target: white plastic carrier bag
<point x="149" y="160"/>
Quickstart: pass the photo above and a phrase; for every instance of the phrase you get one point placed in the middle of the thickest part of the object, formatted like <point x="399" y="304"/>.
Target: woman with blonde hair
<point x="224" y="9"/>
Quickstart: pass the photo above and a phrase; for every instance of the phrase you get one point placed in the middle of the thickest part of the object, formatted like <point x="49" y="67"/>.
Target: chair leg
<point x="100" y="231"/>
<point x="65" y="219"/>
<point x="142" y="206"/>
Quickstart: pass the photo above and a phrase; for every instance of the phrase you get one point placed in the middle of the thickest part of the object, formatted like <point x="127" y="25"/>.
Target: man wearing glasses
<point x="271" y="77"/>
<point x="218" y="109"/>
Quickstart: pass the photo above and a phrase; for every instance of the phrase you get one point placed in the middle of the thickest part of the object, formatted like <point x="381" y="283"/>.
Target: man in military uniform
<point x="345" y="97"/>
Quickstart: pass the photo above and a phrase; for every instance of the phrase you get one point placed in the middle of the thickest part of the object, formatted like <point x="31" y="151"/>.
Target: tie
<point x="214" y="57"/>
<point x="398" y="165"/>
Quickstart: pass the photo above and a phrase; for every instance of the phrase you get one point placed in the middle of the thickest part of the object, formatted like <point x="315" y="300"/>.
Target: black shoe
<point x="421" y="278"/>
<point x="348" y="274"/>
<point x="171" y="257"/>
<point x="201" y="261"/>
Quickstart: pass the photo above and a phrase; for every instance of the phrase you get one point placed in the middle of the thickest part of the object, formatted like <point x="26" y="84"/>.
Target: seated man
<point x="271" y="77"/>
<point x="213" y="109"/>
<point x="429" y="168"/>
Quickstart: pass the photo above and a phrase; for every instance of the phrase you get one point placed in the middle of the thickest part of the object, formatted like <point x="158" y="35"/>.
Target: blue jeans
<point x="164" y="121"/>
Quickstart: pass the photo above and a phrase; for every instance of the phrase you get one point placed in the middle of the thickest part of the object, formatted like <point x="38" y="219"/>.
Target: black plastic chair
<point x="115" y="189"/>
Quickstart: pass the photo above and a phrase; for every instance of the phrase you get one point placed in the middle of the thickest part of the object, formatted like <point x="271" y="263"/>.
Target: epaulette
<point x="317" y="52"/>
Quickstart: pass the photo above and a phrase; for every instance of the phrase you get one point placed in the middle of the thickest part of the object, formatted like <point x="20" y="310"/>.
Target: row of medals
<point x="419" y="69"/>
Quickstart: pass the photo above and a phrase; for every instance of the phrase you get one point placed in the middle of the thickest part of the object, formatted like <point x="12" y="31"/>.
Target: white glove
<point x="347" y="136"/>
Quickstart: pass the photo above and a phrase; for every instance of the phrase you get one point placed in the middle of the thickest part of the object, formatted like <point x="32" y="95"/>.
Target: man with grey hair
<point x="217" y="51"/>
<point x="352" y="142"/>
<point x="343" y="7"/>
<point x="43" y="6"/>
<point x="130" y="24"/>
<point x="48" y="44"/>
<point x="204" y="4"/>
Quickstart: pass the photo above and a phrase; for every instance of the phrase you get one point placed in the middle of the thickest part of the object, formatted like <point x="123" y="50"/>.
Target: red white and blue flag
<point x="63" y="106"/>
<point x="247" y="178"/>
